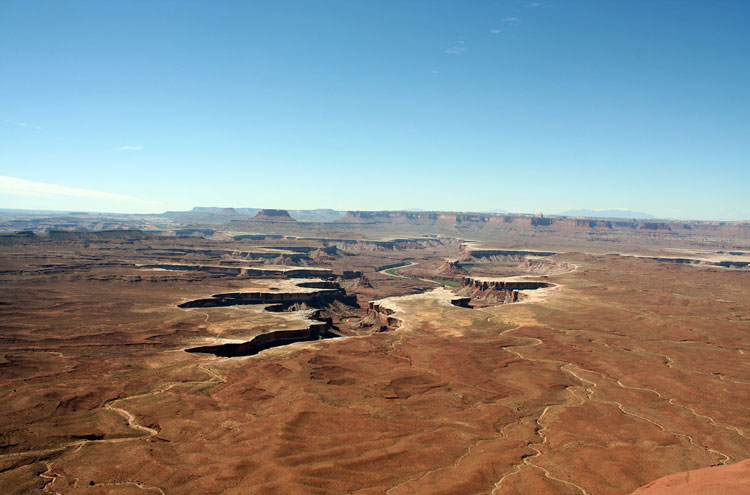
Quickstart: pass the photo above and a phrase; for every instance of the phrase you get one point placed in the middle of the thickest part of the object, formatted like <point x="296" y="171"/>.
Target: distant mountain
<point x="216" y="214"/>
<point x="216" y="210"/>
<point x="273" y="215"/>
<point x="497" y="211"/>
<point x="606" y="214"/>
<point x="43" y="212"/>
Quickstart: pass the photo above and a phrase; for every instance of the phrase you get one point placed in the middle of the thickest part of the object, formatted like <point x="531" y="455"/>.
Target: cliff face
<point x="502" y="284"/>
<point x="654" y="226"/>
<point x="497" y="291"/>
<point x="390" y="216"/>
<point x="392" y="245"/>
<point x="249" y="271"/>
<point x="314" y="299"/>
<point x="353" y="279"/>
<point x="382" y="315"/>
<point x="489" y="296"/>
<point x="509" y="221"/>
<point x="468" y="251"/>
<point x="316" y="331"/>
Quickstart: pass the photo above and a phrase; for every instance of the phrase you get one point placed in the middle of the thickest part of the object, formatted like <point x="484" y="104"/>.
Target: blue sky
<point x="528" y="106"/>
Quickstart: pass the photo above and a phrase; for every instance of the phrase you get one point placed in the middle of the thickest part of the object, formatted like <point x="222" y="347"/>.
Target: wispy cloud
<point x="512" y="21"/>
<point x="22" y="187"/>
<point x="436" y="72"/>
<point x="495" y="31"/>
<point x="26" y="125"/>
<point x="128" y="148"/>
<point x="457" y="49"/>
<point x="534" y="5"/>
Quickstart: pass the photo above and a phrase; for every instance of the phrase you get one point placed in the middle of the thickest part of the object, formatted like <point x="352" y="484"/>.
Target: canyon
<point x="383" y="352"/>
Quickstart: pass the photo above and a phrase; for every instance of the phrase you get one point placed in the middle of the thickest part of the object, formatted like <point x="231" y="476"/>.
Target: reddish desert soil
<point x="626" y="371"/>
<point x="732" y="479"/>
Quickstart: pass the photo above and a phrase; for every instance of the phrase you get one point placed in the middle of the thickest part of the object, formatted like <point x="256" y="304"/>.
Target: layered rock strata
<point x="515" y="221"/>
<point x="316" y="331"/>
<point x="289" y="272"/>
<point x="383" y="315"/>
<point x="497" y="291"/>
<point x="495" y="284"/>
<point x="270" y="215"/>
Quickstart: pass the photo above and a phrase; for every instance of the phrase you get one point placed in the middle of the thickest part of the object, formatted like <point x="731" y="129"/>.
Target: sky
<point x="526" y="106"/>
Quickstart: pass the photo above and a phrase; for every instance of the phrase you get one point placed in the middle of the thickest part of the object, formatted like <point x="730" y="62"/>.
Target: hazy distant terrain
<point x="606" y="214"/>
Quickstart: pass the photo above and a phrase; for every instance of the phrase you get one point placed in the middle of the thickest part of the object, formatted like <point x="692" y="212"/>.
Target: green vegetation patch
<point x="394" y="271"/>
<point x="447" y="283"/>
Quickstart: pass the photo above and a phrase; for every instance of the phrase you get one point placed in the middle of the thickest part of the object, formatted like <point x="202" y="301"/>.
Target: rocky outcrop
<point x="495" y="291"/>
<point x="354" y="279"/>
<point x="490" y="296"/>
<point x="382" y="315"/>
